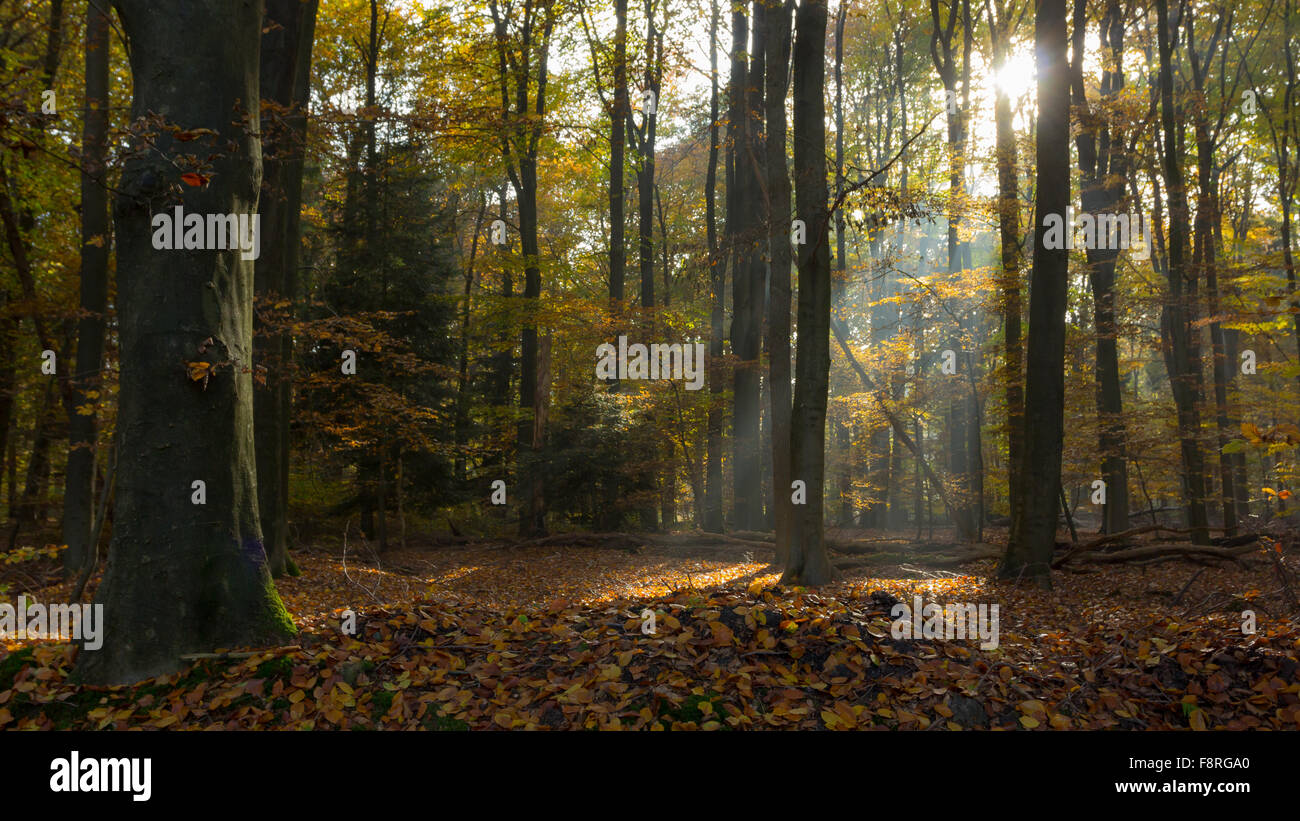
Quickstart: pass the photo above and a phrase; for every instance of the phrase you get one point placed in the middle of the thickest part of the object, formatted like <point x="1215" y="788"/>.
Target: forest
<point x="668" y="364"/>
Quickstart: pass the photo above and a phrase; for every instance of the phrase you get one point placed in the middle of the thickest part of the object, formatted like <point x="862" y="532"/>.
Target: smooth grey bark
<point x="743" y="229"/>
<point x="808" y="562"/>
<point x="644" y="139"/>
<point x="1104" y="164"/>
<point x="285" y="88"/>
<point x="1033" y="530"/>
<point x="1181" y="353"/>
<point x="962" y="424"/>
<point x="712" y="519"/>
<point x="185" y="577"/>
<point x="522" y="75"/>
<point x="778" y="43"/>
<point x="1000" y="31"/>
<point x="96" y="239"/>
<point x="618" y="118"/>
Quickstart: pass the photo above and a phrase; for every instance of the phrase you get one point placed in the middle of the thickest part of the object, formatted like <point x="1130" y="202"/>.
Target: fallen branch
<point x="1159" y="552"/>
<point x="288" y="648"/>
<point x="1089" y="546"/>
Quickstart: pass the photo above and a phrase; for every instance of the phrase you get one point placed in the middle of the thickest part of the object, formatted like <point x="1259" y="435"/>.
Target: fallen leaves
<point x="477" y="638"/>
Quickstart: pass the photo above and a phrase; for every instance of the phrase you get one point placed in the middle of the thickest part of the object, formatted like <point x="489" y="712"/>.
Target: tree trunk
<point x="645" y="174"/>
<point x="1009" y="284"/>
<point x="1033" y="530"/>
<point x="808" y="563"/>
<point x="712" y="518"/>
<point x="617" y="129"/>
<point x="1203" y="263"/>
<point x="462" y="425"/>
<point x="744" y="228"/>
<point x="1181" y="356"/>
<point x="285" y="80"/>
<point x="79" y="477"/>
<point x="777" y="40"/>
<point x="184" y="577"/>
<point x="1104" y="166"/>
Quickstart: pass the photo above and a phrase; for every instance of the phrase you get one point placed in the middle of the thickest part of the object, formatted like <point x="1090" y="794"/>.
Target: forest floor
<point x="501" y="636"/>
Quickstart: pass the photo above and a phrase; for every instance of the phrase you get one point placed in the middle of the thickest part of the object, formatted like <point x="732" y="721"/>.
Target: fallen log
<point x="1159" y="552"/>
<point x="1122" y="536"/>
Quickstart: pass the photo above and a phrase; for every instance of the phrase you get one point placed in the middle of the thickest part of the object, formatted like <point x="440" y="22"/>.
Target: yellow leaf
<point x="1029" y="722"/>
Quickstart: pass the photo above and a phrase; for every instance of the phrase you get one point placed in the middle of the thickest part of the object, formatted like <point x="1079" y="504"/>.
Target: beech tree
<point x="285" y="72"/>
<point x="187" y="570"/>
<point x="807" y="561"/>
<point x="1033" y="530"/>
<point x="96" y="241"/>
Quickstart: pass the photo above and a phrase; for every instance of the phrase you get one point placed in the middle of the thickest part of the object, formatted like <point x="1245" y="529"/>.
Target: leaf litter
<point x="489" y="638"/>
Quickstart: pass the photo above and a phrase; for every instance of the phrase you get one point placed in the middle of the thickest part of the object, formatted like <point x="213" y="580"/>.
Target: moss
<point x="278" y="621"/>
<point x="278" y="667"/>
<point x="381" y="701"/>
<point x="435" y="720"/>
<point x="689" y="710"/>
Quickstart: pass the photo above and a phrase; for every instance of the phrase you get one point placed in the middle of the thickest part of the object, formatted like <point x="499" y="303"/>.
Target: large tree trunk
<point x="1033" y="530"/>
<point x="462" y="424"/>
<point x="1104" y="165"/>
<point x="185" y="577"/>
<point x="285" y="85"/>
<point x="79" y="478"/>
<point x="522" y="75"/>
<point x="808" y="563"/>
<point x="1203" y="263"/>
<point x="777" y="40"/>
<point x="645" y="174"/>
<point x="744" y="229"/>
<point x="617" y="131"/>
<point x="530" y="519"/>
<point x="717" y="279"/>
<point x="1181" y="355"/>
<point x="1009" y="282"/>
<point x="963" y="430"/>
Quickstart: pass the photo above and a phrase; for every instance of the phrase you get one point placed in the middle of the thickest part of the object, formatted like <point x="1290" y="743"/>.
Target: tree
<point x="1103" y="161"/>
<point x="963" y="413"/>
<point x="617" y="125"/>
<point x="285" y="85"/>
<point x="777" y="40"/>
<point x="643" y="139"/>
<point x="1182" y="354"/>
<point x="522" y="55"/>
<point x="1033" y="530"/>
<point x="96" y="239"/>
<point x="186" y="572"/>
<point x="717" y="286"/>
<point x="807" y="562"/>
<point x="744" y="229"/>
<point x="1001" y="28"/>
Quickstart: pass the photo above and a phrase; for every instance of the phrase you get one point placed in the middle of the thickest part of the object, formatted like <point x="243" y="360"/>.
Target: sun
<point x="1017" y="76"/>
